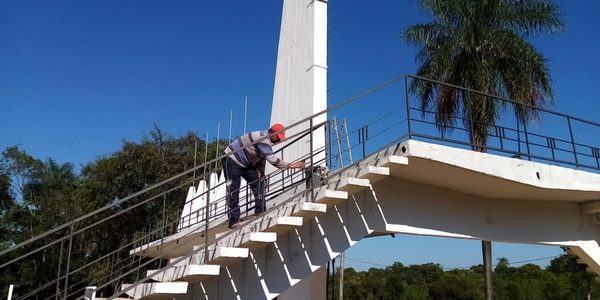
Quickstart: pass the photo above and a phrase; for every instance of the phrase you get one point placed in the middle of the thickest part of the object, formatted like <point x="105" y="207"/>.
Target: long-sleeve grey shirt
<point x="254" y="154"/>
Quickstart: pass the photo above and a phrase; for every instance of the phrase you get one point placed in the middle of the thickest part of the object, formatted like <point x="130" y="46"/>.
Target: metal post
<point x="407" y="106"/>
<point x="573" y="142"/>
<point x="58" y="272"/>
<point x="312" y="188"/>
<point x="217" y="150"/>
<point x="526" y="139"/>
<point x="333" y="278"/>
<point x="69" y="260"/>
<point x="341" y="294"/>
<point x="195" y="155"/>
<point x="206" y="220"/>
<point x="345" y="132"/>
<point x="162" y="229"/>
<point x="366" y="137"/>
<point x="472" y="132"/>
<point x="518" y="137"/>
<point x="327" y="281"/>
<point x="362" y="138"/>
<point x="337" y="140"/>
<point x="487" y="261"/>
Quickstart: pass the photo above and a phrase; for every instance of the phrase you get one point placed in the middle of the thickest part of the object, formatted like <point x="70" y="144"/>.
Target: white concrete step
<point x="373" y="173"/>
<point x="283" y="224"/>
<point x="189" y="273"/>
<point x="352" y="184"/>
<point x="308" y="210"/>
<point x="396" y="164"/>
<point x="330" y="197"/>
<point x="393" y="161"/>
<point x="156" y="290"/>
<point x="257" y="240"/>
<point x="221" y="256"/>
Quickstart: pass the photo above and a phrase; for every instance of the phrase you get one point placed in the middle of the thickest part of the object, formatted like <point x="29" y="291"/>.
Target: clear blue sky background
<point x="78" y="77"/>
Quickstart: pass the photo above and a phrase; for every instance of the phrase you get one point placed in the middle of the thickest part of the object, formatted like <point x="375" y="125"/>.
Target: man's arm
<point x="296" y="165"/>
<point x="276" y="161"/>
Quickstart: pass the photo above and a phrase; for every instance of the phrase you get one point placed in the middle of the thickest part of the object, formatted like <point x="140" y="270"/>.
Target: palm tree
<point x="482" y="45"/>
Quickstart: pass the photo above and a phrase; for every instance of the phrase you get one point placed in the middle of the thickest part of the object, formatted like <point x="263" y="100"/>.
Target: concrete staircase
<point x="285" y="217"/>
<point x="282" y="252"/>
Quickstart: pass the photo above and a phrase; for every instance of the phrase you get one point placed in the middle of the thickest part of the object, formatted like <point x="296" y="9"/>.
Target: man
<point x="249" y="163"/>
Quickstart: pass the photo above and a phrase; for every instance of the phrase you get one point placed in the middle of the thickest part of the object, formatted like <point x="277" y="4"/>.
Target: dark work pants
<point x="233" y="175"/>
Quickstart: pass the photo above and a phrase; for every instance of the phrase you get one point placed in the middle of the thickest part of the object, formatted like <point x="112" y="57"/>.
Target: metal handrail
<point x="504" y="99"/>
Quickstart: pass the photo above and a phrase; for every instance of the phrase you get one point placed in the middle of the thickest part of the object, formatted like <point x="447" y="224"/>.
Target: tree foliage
<point x="38" y="195"/>
<point x="562" y="279"/>
<point x="482" y="45"/>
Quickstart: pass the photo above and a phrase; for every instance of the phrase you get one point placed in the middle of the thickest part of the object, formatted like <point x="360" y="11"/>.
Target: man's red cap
<point x="279" y="129"/>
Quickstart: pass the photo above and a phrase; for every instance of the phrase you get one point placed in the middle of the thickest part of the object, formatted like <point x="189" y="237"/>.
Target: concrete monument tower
<point x="301" y="76"/>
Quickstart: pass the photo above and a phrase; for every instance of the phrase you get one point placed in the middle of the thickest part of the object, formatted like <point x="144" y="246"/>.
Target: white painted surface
<point x="498" y="176"/>
<point x="331" y="196"/>
<point x="194" y="213"/>
<point x="156" y="290"/>
<point x="177" y="273"/>
<point x="312" y="287"/>
<point x="263" y="237"/>
<point x="10" y="291"/>
<point x="301" y="75"/>
<point x="88" y="294"/>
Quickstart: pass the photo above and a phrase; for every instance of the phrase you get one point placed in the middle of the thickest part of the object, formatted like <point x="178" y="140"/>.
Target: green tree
<point x="37" y="195"/>
<point x="44" y="199"/>
<point x="482" y="45"/>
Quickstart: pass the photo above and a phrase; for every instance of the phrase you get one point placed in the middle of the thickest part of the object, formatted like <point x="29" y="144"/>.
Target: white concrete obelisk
<point x="301" y="76"/>
<point x="301" y="91"/>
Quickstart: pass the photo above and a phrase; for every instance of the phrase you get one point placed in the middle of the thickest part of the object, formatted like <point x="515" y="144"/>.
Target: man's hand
<point x="296" y="165"/>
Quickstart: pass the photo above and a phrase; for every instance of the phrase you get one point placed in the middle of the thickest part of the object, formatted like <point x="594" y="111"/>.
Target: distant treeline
<point x="563" y="278"/>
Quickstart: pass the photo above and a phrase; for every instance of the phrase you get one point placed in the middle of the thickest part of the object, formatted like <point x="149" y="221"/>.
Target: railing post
<point x="518" y="137"/>
<point x="526" y="139"/>
<point x="407" y="106"/>
<point x="246" y="199"/>
<point x="312" y="188"/>
<point x="58" y="272"/>
<point x="69" y="259"/>
<point x="362" y="138"/>
<point x="162" y="229"/>
<point x="573" y="142"/>
<point x="472" y="131"/>
<point x="206" y="220"/>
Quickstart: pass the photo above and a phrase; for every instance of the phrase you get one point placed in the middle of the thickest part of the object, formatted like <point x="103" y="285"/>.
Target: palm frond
<point x="481" y="45"/>
<point x="533" y="16"/>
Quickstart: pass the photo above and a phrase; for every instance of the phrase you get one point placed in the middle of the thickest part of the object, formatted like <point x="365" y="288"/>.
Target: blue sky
<point x="78" y="77"/>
